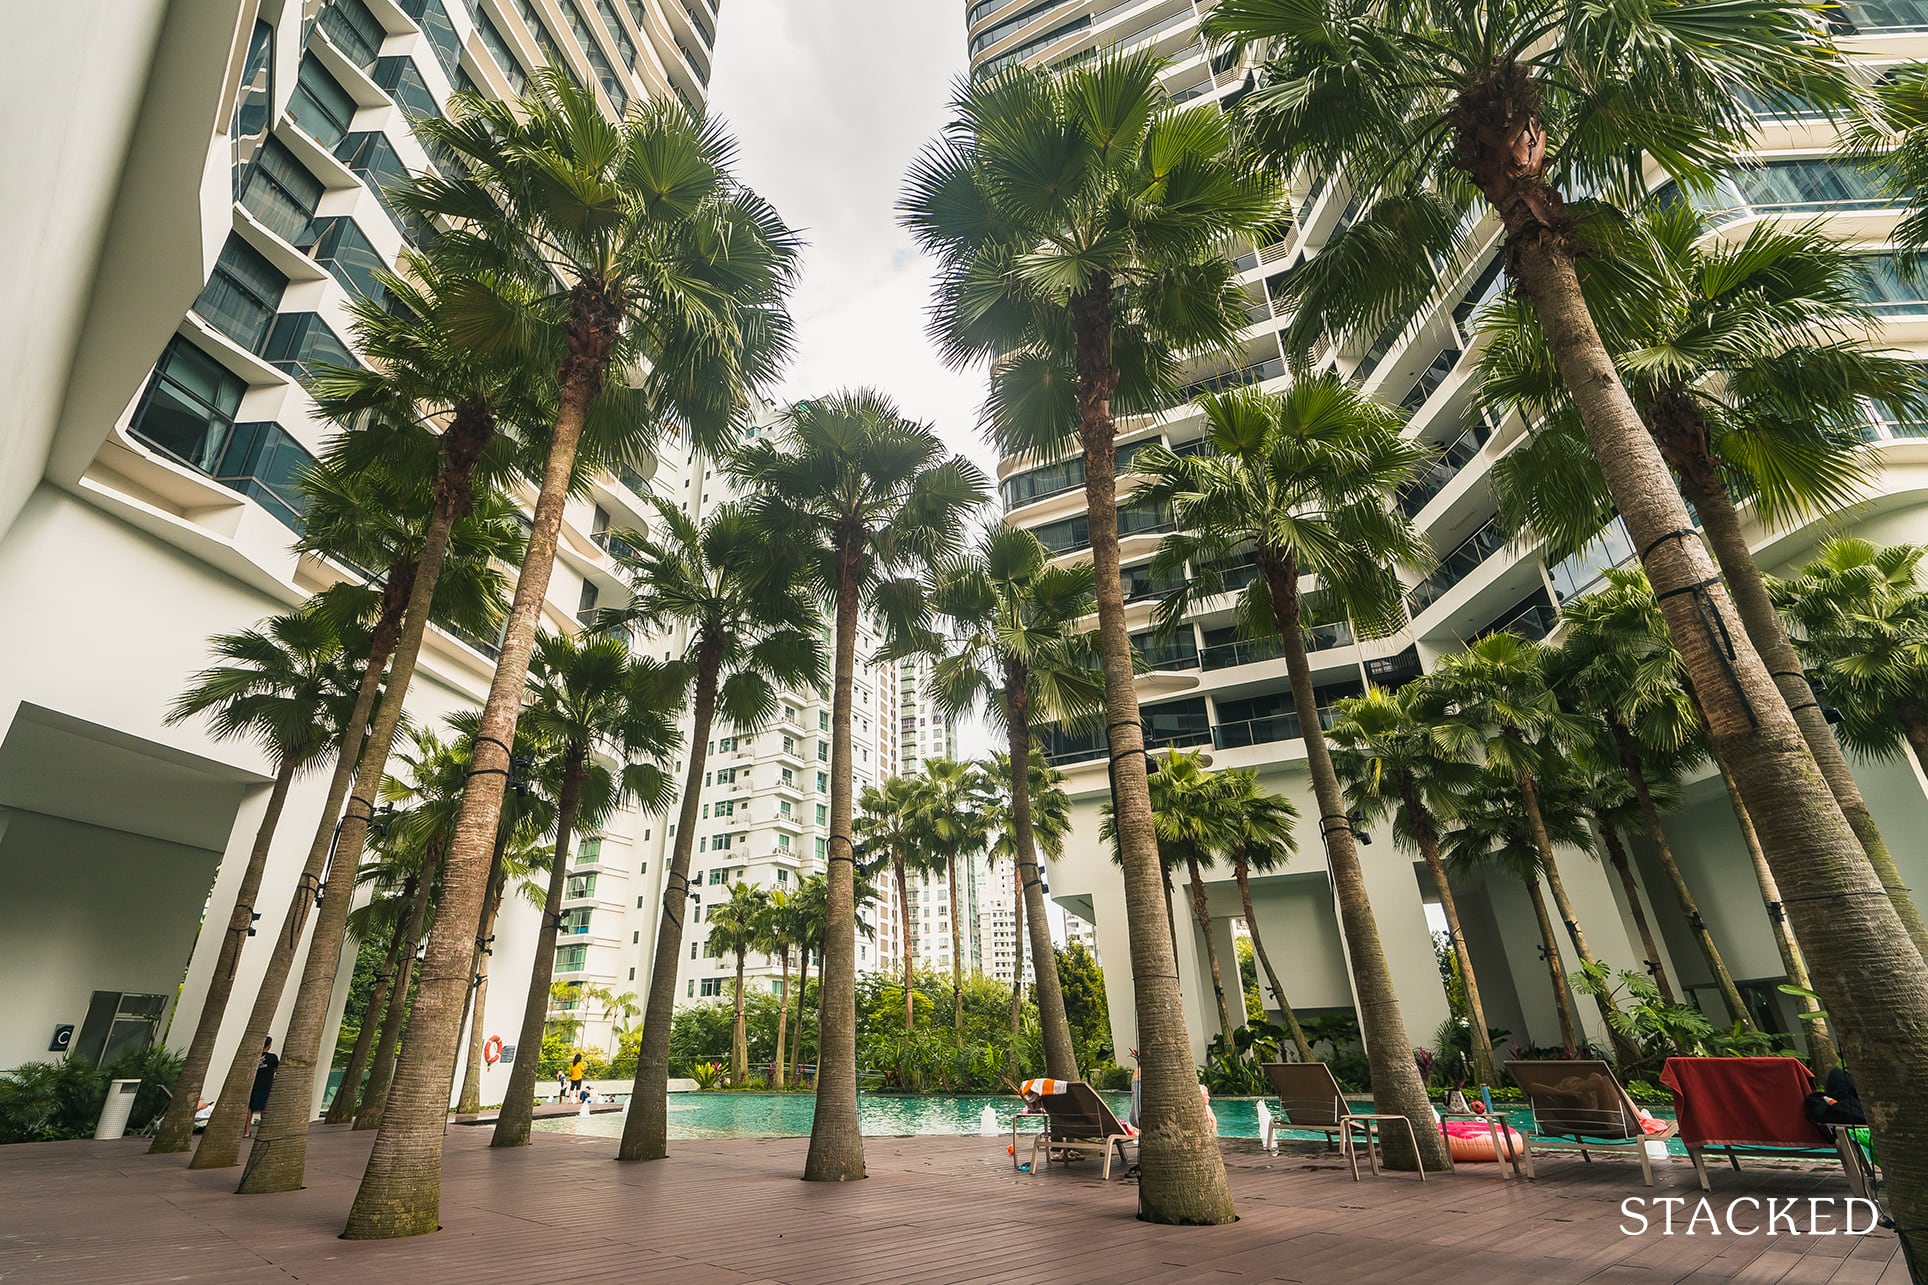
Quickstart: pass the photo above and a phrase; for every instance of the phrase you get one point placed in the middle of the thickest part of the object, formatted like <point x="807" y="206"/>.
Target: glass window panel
<point x="320" y="105"/>
<point x="438" y="31"/>
<point x="254" y="103"/>
<point x="355" y="31"/>
<point x="499" y="48"/>
<point x="281" y="193"/>
<point x="350" y="257"/>
<point x="242" y="294"/>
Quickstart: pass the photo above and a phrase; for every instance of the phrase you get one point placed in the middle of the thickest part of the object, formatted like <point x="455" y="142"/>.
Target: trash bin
<point x="120" y="1103"/>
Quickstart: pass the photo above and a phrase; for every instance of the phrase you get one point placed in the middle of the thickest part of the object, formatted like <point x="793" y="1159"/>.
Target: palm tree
<point x="385" y="911"/>
<point x="626" y="245"/>
<point x="1625" y="665"/>
<point x="812" y="906"/>
<point x="885" y="822"/>
<point x="1085" y="306"/>
<point x="1749" y="364"/>
<point x="1299" y="483"/>
<point x="590" y="701"/>
<point x="863" y="494"/>
<point x="1862" y="623"/>
<point x="1015" y="649"/>
<point x="749" y="631"/>
<point x="948" y="817"/>
<point x="1429" y="105"/>
<point x="1615" y="658"/>
<point x="738" y="927"/>
<point x="783" y="930"/>
<point x="1195" y="824"/>
<point x="1616" y="806"/>
<point x="1393" y="765"/>
<point x="522" y="853"/>
<point x="1493" y="701"/>
<point x="1262" y="840"/>
<point x="1047" y="821"/>
<point x="284" y="685"/>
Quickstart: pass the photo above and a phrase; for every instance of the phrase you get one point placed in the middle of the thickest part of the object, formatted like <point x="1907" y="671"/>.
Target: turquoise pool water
<point x="787" y="1115"/>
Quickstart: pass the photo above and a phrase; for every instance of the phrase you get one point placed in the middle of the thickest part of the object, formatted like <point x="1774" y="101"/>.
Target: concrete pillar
<point x="1406" y="938"/>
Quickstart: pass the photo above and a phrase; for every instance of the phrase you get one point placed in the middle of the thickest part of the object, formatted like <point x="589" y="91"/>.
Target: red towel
<point x="1753" y="1100"/>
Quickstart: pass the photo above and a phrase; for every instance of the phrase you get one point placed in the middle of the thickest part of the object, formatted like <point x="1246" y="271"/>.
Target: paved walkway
<point x="933" y="1210"/>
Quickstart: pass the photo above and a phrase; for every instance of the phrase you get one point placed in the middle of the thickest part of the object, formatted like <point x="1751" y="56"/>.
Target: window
<point x="433" y="19"/>
<point x="280" y="192"/>
<point x="789" y="745"/>
<point x="590" y="849"/>
<point x="320" y="105"/>
<point x="632" y="972"/>
<point x="499" y="48"/>
<point x="692" y="989"/>
<point x="355" y="31"/>
<point x="702" y="843"/>
<point x="242" y="294"/>
<point x="783" y="876"/>
<point x="254" y="102"/>
<point x="823" y="721"/>
<point x="787" y="776"/>
<point x="783" y="808"/>
<point x="301" y="340"/>
<point x="404" y="83"/>
<point x="579" y="886"/>
<point x="823" y="751"/>
<point x="636" y="938"/>
<point x="639" y="903"/>
<point x="823" y="815"/>
<point x="720" y="843"/>
<point x="573" y="923"/>
<point x="572" y="13"/>
<point x="823" y="783"/>
<point x="823" y="850"/>
<point x="625" y="47"/>
<point x="717" y="876"/>
<point x="725" y="744"/>
<point x="571" y="959"/>
<point x="712" y="986"/>
<point x="376" y="161"/>
<point x="189" y="408"/>
<point x="783" y="845"/>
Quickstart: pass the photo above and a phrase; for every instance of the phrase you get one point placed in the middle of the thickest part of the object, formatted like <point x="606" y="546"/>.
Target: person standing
<point x="263" y="1084"/>
<point x="576" y="1068"/>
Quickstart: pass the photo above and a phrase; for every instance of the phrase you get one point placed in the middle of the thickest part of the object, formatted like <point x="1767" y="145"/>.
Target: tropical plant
<point x="1189" y="807"/>
<point x="738" y="927"/>
<point x="1047" y="819"/>
<point x="519" y="851"/>
<point x="884" y="822"/>
<point x="947" y="817"/>
<point x="812" y="902"/>
<point x="1261" y="839"/>
<point x="1394" y="765"/>
<point x="870" y="500"/>
<point x="1749" y="364"/>
<point x="1300" y="484"/>
<point x="285" y="685"/>
<point x="1435" y="110"/>
<point x="590" y="700"/>
<point x="617" y="245"/>
<point x="750" y="631"/>
<point x="783" y="929"/>
<point x="1079" y="220"/>
<point x="1015" y="649"/>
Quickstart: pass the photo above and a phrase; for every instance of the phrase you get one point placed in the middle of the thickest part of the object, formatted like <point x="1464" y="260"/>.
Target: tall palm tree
<point x="639" y="249"/>
<point x="521" y="853"/>
<point x="812" y="905"/>
<point x="783" y="931"/>
<point x="1615" y="658"/>
<point x="1511" y="106"/>
<point x="1079" y="220"/>
<point x="1047" y="821"/>
<point x="948" y="817"/>
<point x="1300" y="483"/>
<point x="1393" y="765"/>
<point x="1617" y="807"/>
<point x="1862" y="624"/>
<point x="749" y="631"/>
<point x="885" y="823"/>
<point x="1261" y="839"/>
<point x="738" y="928"/>
<point x="1493" y="700"/>
<point x="285" y="685"/>
<point x="386" y="910"/>
<point x="591" y="702"/>
<point x="1628" y="668"/>
<point x="1015" y="649"/>
<point x="864" y="495"/>
<point x="1748" y="363"/>
<point x="1195" y="824"/>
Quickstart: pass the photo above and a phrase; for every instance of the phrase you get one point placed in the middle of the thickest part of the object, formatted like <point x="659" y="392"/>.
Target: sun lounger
<point x="1309" y="1098"/>
<point x="1076" y="1117"/>
<point x="1753" y="1106"/>
<point x="1581" y="1102"/>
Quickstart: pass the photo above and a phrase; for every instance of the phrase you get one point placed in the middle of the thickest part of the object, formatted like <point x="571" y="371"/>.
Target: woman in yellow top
<point x="575" y="1076"/>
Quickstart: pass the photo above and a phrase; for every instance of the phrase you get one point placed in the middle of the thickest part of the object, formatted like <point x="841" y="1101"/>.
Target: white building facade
<point x="1213" y="692"/>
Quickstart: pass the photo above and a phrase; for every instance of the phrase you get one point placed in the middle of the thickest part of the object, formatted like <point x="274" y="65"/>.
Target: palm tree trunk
<point x="1710" y="953"/>
<point x="401" y="1191"/>
<point x="1017" y="963"/>
<point x="836" y="1141"/>
<point x="783" y="1014"/>
<point x="519" y="1099"/>
<point x="1420" y="820"/>
<point x="910" y="968"/>
<point x="382" y="1066"/>
<point x="803" y="995"/>
<point x="348" y="1095"/>
<point x="1570" y="1035"/>
<point x="1867" y="967"/>
<point x="177" y="1125"/>
<point x="957" y="944"/>
<point x="1820" y="1040"/>
<point x="1203" y="914"/>
<point x="1396" y="1084"/>
<point x="470" y="1102"/>
<point x="1060" y="1052"/>
<point x="1617" y="858"/>
<point x="1701" y="483"/>
<point x="1530" y="795"/>
<point x="739" y="1038"/>
<point x="221" y="1140"/>
<point x="1181" y="1172"/>
<point x="1304" y="1046"/>
<point x="279" y="1157"/>
<point x="646" y="1132"/>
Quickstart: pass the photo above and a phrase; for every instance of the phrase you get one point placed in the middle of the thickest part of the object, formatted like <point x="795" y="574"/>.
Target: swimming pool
<point x="787" y="1115"/>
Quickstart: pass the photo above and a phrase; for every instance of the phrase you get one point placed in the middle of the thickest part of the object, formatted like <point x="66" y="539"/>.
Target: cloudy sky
<point x="831" y="101"/>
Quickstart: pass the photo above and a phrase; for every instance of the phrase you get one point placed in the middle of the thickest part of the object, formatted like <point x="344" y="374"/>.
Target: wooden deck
<point x="933" y="1210"/>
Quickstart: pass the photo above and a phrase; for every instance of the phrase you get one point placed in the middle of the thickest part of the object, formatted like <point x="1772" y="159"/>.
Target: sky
<point x="831" y="101"/>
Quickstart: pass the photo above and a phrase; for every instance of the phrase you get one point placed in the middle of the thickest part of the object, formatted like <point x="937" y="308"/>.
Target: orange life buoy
<point x="492" y="1050"/>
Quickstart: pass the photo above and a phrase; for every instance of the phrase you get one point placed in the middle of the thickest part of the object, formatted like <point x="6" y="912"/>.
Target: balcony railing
<point x="1257" y="372"/>
<point x="1263" y="731"/>
<point x="1429" y="380"/>
<point x="1457" y="565"/>
<point x="1446" y="466"/>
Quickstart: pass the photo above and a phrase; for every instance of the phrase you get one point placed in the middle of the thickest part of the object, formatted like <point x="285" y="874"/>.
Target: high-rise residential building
<point x="925" y="731"/>
<point x="1215" y="692"/>
<point x="197" y="231"/>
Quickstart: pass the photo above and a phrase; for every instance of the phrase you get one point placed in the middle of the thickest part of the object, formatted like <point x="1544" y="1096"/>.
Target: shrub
<point x="47" y="1101"/>
<point x="1107" y="1075"/>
